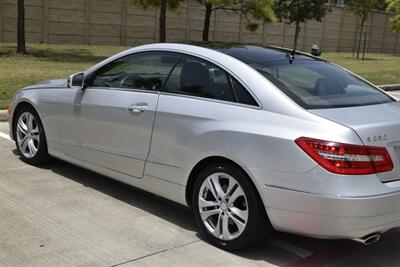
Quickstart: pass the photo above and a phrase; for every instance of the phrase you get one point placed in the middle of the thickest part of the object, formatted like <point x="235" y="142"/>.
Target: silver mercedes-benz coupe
<point x="252" y="139"/>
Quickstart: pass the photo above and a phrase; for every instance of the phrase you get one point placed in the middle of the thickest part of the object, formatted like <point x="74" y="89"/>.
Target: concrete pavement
<point x="3" y="115"/>
<point x="63" y="215"/>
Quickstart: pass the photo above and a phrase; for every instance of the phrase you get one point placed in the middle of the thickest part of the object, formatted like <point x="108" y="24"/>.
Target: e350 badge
<point x="377" y="138"/>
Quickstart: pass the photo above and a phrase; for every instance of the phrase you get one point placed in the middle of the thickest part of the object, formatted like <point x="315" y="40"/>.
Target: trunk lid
<point x="376" y="125"/>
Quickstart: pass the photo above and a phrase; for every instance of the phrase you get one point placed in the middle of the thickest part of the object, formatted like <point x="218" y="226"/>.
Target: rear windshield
<point x="319" y="84"/>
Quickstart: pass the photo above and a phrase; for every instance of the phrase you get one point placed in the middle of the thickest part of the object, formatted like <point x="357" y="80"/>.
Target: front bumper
<point x="331" y="217"/>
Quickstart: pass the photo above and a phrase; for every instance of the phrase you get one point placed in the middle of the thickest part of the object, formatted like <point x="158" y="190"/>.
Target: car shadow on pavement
<point x="160" y="207"/>
<point x="138" y="198"/>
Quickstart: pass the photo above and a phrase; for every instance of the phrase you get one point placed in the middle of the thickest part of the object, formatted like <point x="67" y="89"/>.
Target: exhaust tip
<point x="369" y="239"/>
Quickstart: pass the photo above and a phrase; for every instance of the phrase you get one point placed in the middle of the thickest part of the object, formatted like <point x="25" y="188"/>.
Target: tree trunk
<point x="207" y="18"/>
<point x="21" y="47"/>
<point x="354" y="43"/>
<point x="163" y="10"/>
<point x="360" y="38"/>
<point x="296" y="35"/>
<point x="365" y="45"/>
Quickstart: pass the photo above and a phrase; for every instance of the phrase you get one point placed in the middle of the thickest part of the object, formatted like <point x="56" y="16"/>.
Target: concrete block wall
<point x="116" y="22"/>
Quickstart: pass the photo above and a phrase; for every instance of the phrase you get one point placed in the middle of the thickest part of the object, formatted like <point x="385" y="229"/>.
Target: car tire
<point x="30" y="138"/>
<point x="225" y="229"/>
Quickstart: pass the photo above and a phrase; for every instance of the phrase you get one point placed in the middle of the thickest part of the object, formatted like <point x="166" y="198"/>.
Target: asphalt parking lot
<point x="63" y="215"/>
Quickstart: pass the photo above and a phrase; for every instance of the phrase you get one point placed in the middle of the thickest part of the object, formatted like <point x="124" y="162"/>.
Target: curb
<point x="3" y="115"/>
<point x="390" y="87"/>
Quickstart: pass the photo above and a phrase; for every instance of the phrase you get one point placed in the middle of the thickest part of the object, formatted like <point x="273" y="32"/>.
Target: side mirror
<point x="77" y="80"/>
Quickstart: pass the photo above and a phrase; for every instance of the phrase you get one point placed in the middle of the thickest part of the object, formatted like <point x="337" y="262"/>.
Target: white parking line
<point x="289" y="247"/>
<point x="5" y="136"/>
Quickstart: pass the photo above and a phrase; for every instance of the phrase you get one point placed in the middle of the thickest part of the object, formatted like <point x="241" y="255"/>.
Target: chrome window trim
<point x="123" y="89"/>
<point x="174" y="94"/>
<point x="212" y="100"/>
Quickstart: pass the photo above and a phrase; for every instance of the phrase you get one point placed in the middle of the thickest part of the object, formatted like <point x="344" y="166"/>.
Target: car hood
<point x="59" y="83"/>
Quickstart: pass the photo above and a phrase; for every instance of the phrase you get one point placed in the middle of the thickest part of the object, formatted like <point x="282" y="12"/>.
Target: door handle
<point x="138" y="108"/>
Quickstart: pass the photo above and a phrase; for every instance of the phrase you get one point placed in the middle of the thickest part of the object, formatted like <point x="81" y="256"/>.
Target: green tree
<point x="394" y="7"/>
<point x="362" y="8"/>
<point x="381" y="5"/>
<point x="162" y="5"/>
<point x="259" y="9"/>
<point x="21" y="47"/>
<point x="299" y="11"/>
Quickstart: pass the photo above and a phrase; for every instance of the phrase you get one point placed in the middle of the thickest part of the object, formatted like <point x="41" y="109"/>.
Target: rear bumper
<point x="331" y="217"/>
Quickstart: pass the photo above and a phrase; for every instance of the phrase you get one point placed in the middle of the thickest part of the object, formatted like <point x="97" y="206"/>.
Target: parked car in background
<point x="252" y="139"/>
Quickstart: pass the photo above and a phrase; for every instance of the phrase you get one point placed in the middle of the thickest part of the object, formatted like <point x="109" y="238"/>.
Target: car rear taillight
<point x="345" y="158"/>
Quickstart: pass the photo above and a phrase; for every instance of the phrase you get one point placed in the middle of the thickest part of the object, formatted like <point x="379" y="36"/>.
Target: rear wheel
<point x="227" y="207"/>
<point x="29" y="136"/>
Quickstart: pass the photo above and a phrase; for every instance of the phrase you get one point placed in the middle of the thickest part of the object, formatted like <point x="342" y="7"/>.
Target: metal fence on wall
<point x="116" y="22"/>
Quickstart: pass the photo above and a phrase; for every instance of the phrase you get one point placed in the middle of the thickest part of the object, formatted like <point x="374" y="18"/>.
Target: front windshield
<point x="319" y="84"/>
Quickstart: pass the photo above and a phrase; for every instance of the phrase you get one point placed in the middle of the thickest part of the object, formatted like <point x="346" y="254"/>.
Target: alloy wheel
<point x="223" y="206"/>
<point x="28" y="135"/>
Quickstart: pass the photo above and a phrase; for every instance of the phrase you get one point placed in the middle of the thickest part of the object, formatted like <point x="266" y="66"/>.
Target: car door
<point x="115" y="113"/>
<point x="202" y="108"/>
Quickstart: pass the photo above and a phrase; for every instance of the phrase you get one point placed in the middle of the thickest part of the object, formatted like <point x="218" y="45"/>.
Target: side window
<point x="143" y="71"/>
<point x="197" y="77"/>
<point x="243" y="96"/>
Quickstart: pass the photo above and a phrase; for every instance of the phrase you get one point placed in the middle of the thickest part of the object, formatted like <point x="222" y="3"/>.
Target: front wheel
<point x="227" y="207"/>
<point x="29" y="136"/>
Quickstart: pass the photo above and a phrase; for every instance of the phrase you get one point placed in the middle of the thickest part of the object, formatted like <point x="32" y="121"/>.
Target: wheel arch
<point x="204" y="163"/>
<point x="18" y="107"/>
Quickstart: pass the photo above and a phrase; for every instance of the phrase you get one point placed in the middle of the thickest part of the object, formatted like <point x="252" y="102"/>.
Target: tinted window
<point x="196" y="77"/>
<point x="243" y="96"/>
<point x="143" y="71"/>
<point x="318" y="84"/>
